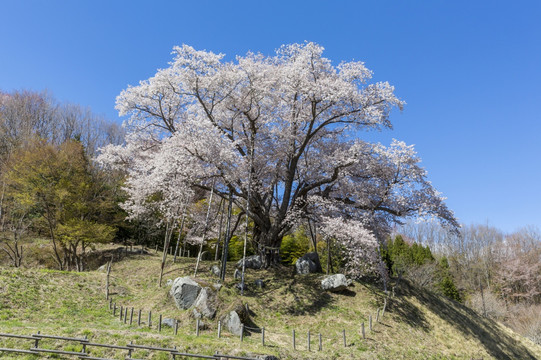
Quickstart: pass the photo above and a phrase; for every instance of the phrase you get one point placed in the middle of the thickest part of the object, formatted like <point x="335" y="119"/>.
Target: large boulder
<point x="308" y="264"/>
<point x="252" y="262"/>
<point x="234" y="319"/>
<point x="335" y="283"/>
<point x="205" y="304"/>
<point x="233" y="323"/>
<point x="185" y="291"/>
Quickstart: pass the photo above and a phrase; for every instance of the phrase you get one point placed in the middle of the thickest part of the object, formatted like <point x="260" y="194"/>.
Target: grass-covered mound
<point x="416" y="324"/>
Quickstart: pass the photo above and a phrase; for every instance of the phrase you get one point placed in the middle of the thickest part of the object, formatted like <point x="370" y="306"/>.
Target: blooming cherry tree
<point x="288" y="126"/>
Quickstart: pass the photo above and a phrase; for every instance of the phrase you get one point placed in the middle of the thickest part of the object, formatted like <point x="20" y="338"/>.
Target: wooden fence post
<point x="139" y="318"/>
<point x="160" y="324"/>
<point x="131" y="316"/>
<point x="219" y="329"/>
<point x="362" y="330"/>
<point x="150" y="318"/>
<point x="294" y="339"/>
<point x="197" y="327"/>
<point x="377" y="316"/>
<point x="121" y="312"/>
<point x="114" y="309"/>
<point x="308" y="340"/>
<point x="176" y="327"/>
<point x="242" y="333"/>
<point x="110" y="303"/>
<point x="370" y="322"/>
<point x="263" y="336"/>
<point x="125" y="314"/>
<point x="320" y="343"/>
<point x="107" y="279"/>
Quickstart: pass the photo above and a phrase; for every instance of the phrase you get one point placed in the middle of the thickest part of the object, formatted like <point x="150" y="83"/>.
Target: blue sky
<point x="468" y="70"/>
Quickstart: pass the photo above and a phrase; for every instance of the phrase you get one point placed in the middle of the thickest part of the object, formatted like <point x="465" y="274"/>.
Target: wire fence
<point x="86" y="353"/>
<point x="305" y="340"/>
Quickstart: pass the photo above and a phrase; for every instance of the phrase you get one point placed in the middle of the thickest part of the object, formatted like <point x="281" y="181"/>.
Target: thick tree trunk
<point x="268" y="243"/>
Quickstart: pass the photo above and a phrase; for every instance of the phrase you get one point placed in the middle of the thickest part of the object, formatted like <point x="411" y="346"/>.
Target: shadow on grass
<point x="497" y="343"/>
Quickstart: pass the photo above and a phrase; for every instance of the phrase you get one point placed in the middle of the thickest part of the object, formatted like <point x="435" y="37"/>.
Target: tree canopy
<point x="282" y="134"/>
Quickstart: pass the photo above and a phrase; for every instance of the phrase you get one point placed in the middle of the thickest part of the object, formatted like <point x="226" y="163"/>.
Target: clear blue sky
<point x="470" y="72"/>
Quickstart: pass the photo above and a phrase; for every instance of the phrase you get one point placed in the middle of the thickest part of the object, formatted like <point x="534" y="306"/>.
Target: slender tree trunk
<point x="222" y="211"/>
<point x="204" y="232"/>
<point x="227" y="236"/>
<point x="168" y="232"/>
<point x="179" y="234"/>
<point x="313" y="237"/>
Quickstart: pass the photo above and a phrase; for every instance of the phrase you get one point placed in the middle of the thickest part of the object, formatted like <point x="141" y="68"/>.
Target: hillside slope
<point x="416" y="324"/>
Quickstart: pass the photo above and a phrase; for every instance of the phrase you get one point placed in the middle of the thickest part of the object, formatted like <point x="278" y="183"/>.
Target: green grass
<point x="416" y="325"/>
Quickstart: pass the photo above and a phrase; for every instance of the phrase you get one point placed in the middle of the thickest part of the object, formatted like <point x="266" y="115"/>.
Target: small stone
<point x="168" y="322"/>
<point x="215" y="270"/>
<point x="252" y="262"/>
<point x="259" y="283"/>
<point x="241" y="286"/>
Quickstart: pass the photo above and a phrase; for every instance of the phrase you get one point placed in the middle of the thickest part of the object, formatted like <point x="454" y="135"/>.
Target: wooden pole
<point x="176" y="327"/>
<point x="320" y="343"/>
<point x="242" y="333"/>
<point x="114" y="309"/>
<point x="219" y="329"/>
<point x="107" y="279"/>
<point x="263" y="336"/>
<point x="362" y="330"/>
<point x="197" y="327"/>
<point x="294" y="339"/>
<point x="150" y="319"/>
<point x="139" y="318"/>
<point x="131" y="316"/>
<point x="370" y="322"/>
<point x="160" y="324"/>
<point x="308" y="340"/>
<point x="125" y="314"/>
<point x="121" y="312"/>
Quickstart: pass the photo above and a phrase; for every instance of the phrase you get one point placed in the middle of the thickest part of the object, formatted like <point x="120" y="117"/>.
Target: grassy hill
<point x="416" y="324"/>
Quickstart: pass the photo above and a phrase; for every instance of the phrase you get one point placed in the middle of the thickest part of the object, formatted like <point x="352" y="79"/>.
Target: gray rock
<point x="214" y="269"/>
<point x="259" y="283"/>
<point x="308" y="264"/>
<point x="266" y="357"/>
<point x="252" y="262"/>
<point x="241" y="286"/>
<point x="185" y="291"/>
<point x="217" y="287"/>
<point x="335" y="283"/>
<point x="233" y="323"/>
<point x="205" y="304"/>
<point x="168" y="322"/>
